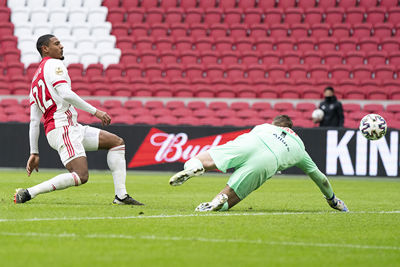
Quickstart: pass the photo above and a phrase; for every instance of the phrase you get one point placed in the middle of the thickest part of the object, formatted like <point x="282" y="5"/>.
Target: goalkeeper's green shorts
<point x="253" y="162"/>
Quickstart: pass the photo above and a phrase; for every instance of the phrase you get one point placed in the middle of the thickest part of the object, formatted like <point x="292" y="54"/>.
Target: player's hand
<point x="103" y="116"/>
<point x="32" y="164"/>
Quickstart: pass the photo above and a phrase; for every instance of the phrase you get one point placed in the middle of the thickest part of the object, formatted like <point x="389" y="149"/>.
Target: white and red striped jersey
<point x="56" y="111"/>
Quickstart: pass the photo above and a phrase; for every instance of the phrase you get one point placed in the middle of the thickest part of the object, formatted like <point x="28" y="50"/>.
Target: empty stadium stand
<point x="238" y="51"/>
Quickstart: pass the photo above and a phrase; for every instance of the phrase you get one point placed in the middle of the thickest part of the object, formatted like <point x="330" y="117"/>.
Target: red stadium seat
<point x="313" y="15"/>
<point x="341" y="30"/>
<point x="193" y="15"/>
<point x="276" y="71"/>
<point x="212" y="15"/>
<point x="367" y="3"/>
<point x="252" y="16"/>
<point x="232" y="15"/>
<point x="149" y="3"/>
<point x="228" y="57"/>
<point x="383" y="30"/>
<point x="354" y="14"/>
<point x="115" y="14"/>
<point x="264" y="43"/>
<point x="312" y="57"/>
<point x="362" y="72"/>
<point x="354" y="93"/>
<point x="334" y="15"/>
<point x="173" y="70"/>
<point x="225" y="91"/>
<point x="174" y="15"/>
<point x="270" y="57"/>
<point x="140" y="30"/>
<point x="347" y="44"/>
<point x="159" y="30"/>
<point x="237" y="31"/>
<point x="355" y="57"/>
<point x="369" y="44"/>
<point x="218" y="30"/>
<point x="188" y="3"/>
<point x="163" y="43"/>
<point x="373" y="108"/>
<point x="198" y="30"/>
<point x="94" y="70"/>
<point x="390" y="44"/>
<point x="272" y="15"/>
<point x="125" y="42"/>
<point x="178" y="29"/>
<point x="297" y="71"/>
<point x="235" y="71"/>
<point x="189" y="57"/>
<point x="306" y="3"/>
<point x="225" y="43"/>
<point x="293" y="15"/>
<point x="168" y="3"/>
<point x="135" y="15"/>
<point x="204" y="43"/>
<point x="279" y="30"/>
<point x="384" y="72"/>
<point x="377" y="57"/>
<point x="362" y="30"/>
<point x="218" y="106"/>
<point x="286" y="3"/>
<point x="184" y="43"/>
<point x="206" y="3"/>
<point x="319" y="72"/>
<point x="261" y="4"/>
<point x="284" y="44"/>
<point x="114" y="70"/>
<point x="327" y="44"/>
<point x="376" y="14"/>
<point x="250" y="57"/>
<point x="299" y="30"/>
<point x="340" y="72"/>
<point x="144" y="43"/>
<point x="306" y="44"/>
<point x="319" y="30"/>
<point x="227" y="4"/>
<point x="394" y="15"/>
<point x="394" y="58"/>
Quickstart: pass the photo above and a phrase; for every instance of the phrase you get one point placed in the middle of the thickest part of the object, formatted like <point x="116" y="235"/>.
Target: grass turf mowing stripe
<point x="199" y="239"/>
<point x="193" y="215"/>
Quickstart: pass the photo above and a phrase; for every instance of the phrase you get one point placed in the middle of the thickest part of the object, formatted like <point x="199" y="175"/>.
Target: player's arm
<point x="34" y="131"/>
<point x="64" y="90"/>
<point x="308" y="166"/>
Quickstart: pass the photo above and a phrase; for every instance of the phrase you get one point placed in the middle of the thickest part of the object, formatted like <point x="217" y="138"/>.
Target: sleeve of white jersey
<point x="56" y="72"/>
<point x="34" y="129"/>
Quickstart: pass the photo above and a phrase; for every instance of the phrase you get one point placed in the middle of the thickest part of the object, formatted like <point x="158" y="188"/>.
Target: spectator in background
<point x="333" y="110"/>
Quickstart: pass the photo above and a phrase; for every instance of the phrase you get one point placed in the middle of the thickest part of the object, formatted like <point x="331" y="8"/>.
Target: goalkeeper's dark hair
<point x="43" y="40"/>
<point x="283" y="121"/>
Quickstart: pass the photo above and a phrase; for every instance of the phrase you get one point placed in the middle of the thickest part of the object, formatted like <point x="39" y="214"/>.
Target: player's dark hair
<point x="283" y="121"/>
<point x="329" y="88"/>
<point x="43" y="40"/>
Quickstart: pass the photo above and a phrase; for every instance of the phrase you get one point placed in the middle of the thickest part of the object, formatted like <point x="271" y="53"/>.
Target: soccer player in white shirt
<point x="51" y="96"/>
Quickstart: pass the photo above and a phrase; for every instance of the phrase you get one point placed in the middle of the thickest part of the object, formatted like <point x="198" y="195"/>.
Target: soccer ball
<point x="373" y="126"/>
<point x="318" y="114"/>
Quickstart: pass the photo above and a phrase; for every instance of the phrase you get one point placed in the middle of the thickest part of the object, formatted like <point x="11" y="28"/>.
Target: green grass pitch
<point x="284" y="223"/>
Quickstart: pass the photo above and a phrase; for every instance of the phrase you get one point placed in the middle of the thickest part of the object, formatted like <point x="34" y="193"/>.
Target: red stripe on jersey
<point x="58" y="82"/>
<point x="33" y="102"/>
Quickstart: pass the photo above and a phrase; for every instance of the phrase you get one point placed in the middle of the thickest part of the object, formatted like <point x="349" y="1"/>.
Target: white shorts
<point x="72" y="141"/>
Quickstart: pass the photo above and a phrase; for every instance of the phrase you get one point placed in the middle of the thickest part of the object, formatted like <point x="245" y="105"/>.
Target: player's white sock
<point x="58" y="182"/>
<point x="193" y="164"/>
<point x="116" y="163"/>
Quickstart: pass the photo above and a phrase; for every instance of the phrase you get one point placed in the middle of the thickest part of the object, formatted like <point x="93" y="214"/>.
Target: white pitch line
<point x="200" y="239"/>
<point x="227" y="214"/>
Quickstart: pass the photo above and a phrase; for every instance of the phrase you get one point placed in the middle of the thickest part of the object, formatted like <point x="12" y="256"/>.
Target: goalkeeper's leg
<point x="193" y="167"/>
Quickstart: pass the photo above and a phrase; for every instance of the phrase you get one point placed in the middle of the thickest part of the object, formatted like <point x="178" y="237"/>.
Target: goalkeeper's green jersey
<point x="286" y="145"/>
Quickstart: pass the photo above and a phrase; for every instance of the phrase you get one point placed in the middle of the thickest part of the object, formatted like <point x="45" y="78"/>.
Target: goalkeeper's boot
<point x="337" y="204"/>
<point x="214" y="205"/>
<point x="21" y="196"/>
<point x="128" y="200"/>
<point x="182" y="176"/>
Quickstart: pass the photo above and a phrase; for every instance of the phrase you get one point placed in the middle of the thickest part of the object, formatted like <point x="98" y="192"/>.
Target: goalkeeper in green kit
<point x="256" y="156"/>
